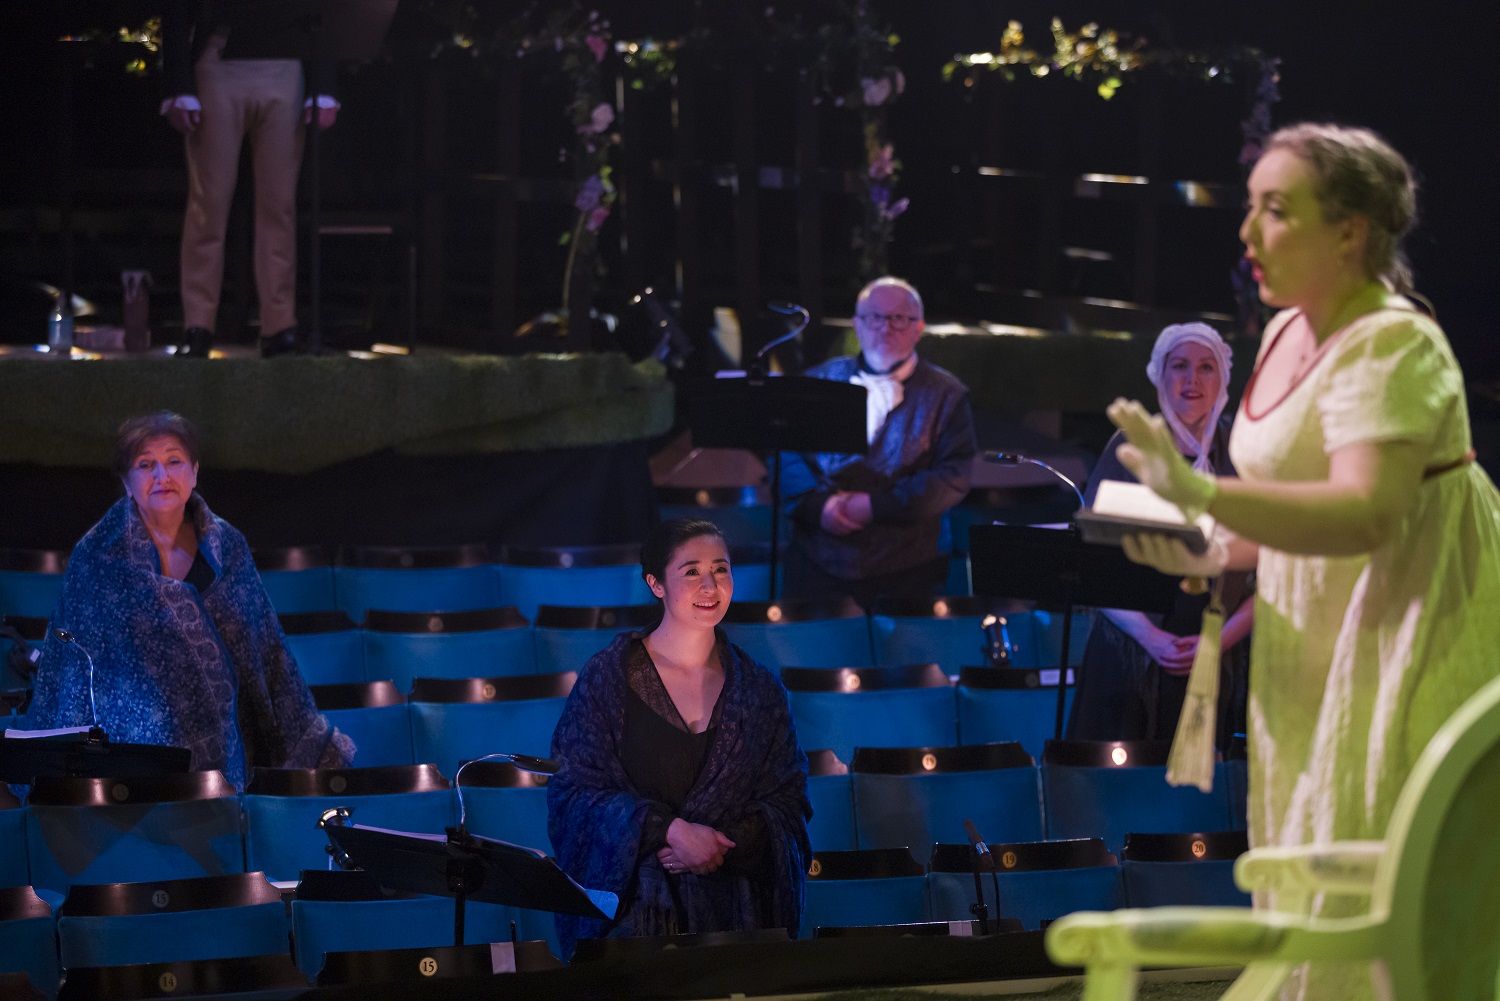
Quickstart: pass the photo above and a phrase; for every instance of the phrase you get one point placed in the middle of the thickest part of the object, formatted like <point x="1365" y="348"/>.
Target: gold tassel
<point x="1191" y="761"/>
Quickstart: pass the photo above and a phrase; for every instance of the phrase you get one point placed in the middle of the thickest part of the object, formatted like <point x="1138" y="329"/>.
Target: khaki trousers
<point x="261" y="99"/>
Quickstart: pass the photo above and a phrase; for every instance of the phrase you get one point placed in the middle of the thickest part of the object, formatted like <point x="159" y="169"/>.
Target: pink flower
<point x="599" y="120"/>
<point x="900" y="82"/>
<point x="896" y="208"/>
<point x="598" y="46"/>
<point x="876" y="91"/>
<point x="883" y="164"/>
<point x="596" y="218"/>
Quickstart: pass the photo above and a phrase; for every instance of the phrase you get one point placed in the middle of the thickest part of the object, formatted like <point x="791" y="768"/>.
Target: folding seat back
<point x="283" y="806"/>
<point x="31" y="581"/>
<point x="1107" y="789"/>
<point x="1017" y="704"/>
<point x="1162" y="870"/>
<point x="812" y="632"/>
<point x="328" y="646"/>
<point x="831" y="793"/>
<point x="751" y="565"/>
<point x="460" y="719"/>
<point x="743" y="513"/>
<point x="297" y="578"/>
<point x="1048" y="630"/>
<point x="1036" y="881"/>
<point x="915" y="797"/>
<point x="845" y="708"/>
<point x="489" y="642"/>
<point x="567" y="636"/>
<point x="101" y="830"/>
<point x="455" y="578"/>
<point x="605" y="575"/>
<point x="953" y="631"/>
<point x="28" y="939"/>
<point x="882" y="886"/>
<point x="346" y="912"/>
<point x="272" y="975"/>
<point x="175" y="920"/>
<point x="374" y="715"/>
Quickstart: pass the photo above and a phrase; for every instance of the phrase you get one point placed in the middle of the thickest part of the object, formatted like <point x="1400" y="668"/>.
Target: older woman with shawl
<point x="681" y="787"/>
<point x="187" y="650"/>
<point x="1134" y="672"/>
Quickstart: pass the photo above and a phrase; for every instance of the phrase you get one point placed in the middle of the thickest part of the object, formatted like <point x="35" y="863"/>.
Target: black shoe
<point x="285" y="342"/>
<point x="196" y="343"/>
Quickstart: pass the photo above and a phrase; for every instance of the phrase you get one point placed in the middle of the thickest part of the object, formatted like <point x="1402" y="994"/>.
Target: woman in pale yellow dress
<point x="1374" y="534"/>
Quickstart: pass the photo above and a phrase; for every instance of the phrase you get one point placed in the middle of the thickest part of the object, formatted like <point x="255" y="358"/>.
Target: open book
<point x="1122" y="509"/>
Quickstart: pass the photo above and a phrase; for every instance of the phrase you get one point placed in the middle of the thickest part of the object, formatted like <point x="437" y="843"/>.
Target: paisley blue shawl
<point x="754" y="767"/>
<point x="207" y="672"/>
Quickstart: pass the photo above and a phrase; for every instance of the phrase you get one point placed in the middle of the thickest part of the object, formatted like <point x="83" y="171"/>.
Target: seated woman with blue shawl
<point x="187" y="650"/>
<point x="681" y="787"/>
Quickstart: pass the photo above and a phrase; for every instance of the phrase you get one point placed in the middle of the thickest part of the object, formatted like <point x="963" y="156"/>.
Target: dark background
<point x="1420" y="76"/>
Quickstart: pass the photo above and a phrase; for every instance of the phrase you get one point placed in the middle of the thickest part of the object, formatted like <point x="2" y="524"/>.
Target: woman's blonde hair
<point x="1359" y="173"/>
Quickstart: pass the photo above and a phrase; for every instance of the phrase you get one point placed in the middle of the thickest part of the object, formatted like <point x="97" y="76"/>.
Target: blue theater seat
<point x="752" y="571"/>
<point x="1191" y="870"/>
<point x="1009" y="704"/>
<point x="915" y="797"/>
<point x="30" y="581"/>
<point x="1107" y="789"/>
<point x="1237" y="773"/>
<point x="1048" y="631"/>
<point x="605" y="575"/>
<point x="831" y="792"/>
<point x="742" y="513"/>
<point x="374" y="715"/>
<point x="882" y="886"/>
<point x="845" y="708"/>
<point x="488" y="642"/>
<point x="18" y="660"/>
<point x="341" y="911"/>
<point x="460" y="719"/>
<point x="567" y="636"/>
<point x="455" y="578"/>
<point x="164" y="921"/>
<point x="808" y="633"/>
<point x="297" y="578"/>
<point x="282" y="807"/>
<point x="1037" y="881"/>
<point x="328" y="646"/>
<point x="948" y="631"/>
<point x="28" y="937"/>
<point x="92" y="830"/>
<point x="256" y="977"/>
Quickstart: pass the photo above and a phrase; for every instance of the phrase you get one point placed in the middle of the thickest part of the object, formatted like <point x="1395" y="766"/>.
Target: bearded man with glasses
<point x="868" y="525"/>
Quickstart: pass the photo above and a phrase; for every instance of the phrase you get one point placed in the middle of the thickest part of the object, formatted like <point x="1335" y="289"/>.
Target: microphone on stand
<point x="786" y="309"/>
<point x="64" y="636"/>
<point x="1015" y="459"/>
<point x="982" y="859"/>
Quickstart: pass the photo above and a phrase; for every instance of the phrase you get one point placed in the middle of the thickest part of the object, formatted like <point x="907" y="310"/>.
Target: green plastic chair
<point x="1434" y="913"/>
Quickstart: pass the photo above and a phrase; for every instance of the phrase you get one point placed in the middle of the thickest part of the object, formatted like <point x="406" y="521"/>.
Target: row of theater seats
<point x="325" y="929"/>
<point x="448" y="720"/>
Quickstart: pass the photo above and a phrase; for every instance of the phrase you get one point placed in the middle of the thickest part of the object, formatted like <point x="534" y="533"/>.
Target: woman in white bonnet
<point x="1134" y="672"/>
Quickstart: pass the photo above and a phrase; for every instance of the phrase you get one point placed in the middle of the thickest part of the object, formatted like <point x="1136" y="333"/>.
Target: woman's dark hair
<point x="664" y="539"/>
<point x="136" y="431"/>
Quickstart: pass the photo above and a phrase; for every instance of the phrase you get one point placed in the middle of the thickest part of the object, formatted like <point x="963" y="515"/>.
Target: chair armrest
<point x="1346" y="867"/>
<point x="1169" y="936"/>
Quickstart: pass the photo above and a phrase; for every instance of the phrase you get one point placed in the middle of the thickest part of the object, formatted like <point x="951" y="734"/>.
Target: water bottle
<point x="60" y="325"/>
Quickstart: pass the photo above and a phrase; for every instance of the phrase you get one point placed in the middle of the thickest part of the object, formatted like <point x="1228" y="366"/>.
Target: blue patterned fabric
<point x="754" y="767"/>
<point x="209" y="672"/>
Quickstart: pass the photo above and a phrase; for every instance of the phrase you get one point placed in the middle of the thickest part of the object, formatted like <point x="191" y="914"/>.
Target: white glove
<point x="1172" y="557"/>
<point x="1152" y="457"/>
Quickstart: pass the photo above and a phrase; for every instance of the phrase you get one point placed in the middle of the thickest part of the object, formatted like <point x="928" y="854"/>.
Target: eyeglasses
<point x="898" y="321"/>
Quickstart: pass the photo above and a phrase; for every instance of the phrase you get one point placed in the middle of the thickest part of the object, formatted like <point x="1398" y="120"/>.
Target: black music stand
<point x="1056" y="569"/>
<point x="86" y="755"/>
<point x="780" y="413"/>
<point x="317" y="32"/>
<point x="464" y="867"/>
